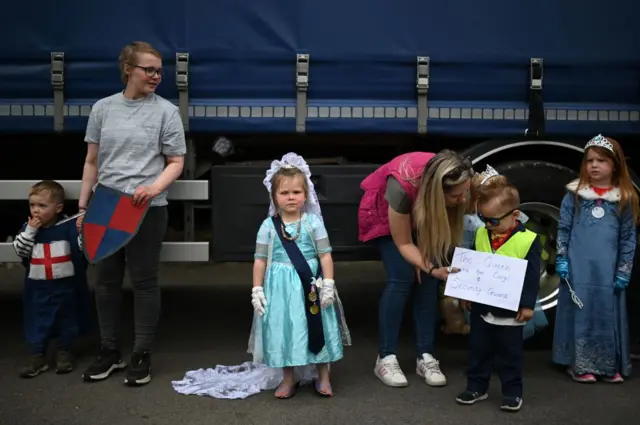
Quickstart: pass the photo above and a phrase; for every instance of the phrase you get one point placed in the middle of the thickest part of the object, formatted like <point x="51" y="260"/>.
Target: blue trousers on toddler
<point x="489" y="343"/>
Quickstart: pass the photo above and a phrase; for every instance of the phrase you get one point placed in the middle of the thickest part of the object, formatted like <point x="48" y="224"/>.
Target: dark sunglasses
<point x="151" y="71"/>
<point x="494" y="221"/>
<point x="456" y="173"/>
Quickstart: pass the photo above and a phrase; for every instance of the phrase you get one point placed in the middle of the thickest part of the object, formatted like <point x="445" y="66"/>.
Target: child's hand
<point x="79" y="221"/>
<point x="524" y="315"/>
<point x="34" y="222"/>
<point x="258" y="300"/>
<point x="562" y="267"/>
<point x="327" y="293"/>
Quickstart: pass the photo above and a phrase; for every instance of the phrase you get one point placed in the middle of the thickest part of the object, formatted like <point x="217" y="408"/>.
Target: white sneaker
<point x="429" y="368"/>
<point x="389" y="372"/>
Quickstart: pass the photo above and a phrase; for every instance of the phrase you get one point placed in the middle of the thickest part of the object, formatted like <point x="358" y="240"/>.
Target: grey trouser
<point x="143" y="255"/>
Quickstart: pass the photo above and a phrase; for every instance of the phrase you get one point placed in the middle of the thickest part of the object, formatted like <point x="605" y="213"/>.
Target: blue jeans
<point x="401" y="280"/>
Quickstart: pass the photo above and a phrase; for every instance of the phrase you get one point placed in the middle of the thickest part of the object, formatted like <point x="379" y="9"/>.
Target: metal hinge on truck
<point x="422" y="86"/>
<point x="536" y="120"/>
<point x="302" y="86"/>
<point x="57" y="82"/>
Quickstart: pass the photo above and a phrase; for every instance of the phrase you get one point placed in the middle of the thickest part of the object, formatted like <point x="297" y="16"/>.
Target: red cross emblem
<point x="48" y="260"/>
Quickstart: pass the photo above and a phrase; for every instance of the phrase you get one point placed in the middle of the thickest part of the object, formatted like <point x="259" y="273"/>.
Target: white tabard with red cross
<point x="50" y="261"/>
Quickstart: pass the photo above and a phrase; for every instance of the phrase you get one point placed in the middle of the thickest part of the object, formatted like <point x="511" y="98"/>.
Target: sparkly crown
<point x="488" y="173"/>
<point x="600" y="141"/>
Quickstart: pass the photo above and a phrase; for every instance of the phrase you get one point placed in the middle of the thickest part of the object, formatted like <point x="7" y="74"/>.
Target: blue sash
<point x="312" y="295"/>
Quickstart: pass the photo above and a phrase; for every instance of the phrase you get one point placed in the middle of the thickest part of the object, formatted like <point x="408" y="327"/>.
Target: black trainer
<point x="468" y="397"/>
<point x="511" y="404"/>
<point x="37" y="364"/>
<point x="107" y="362"/>
<point x="139" y="370"/>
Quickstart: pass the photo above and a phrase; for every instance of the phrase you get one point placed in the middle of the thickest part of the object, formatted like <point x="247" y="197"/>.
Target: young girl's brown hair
<point x="620" y="176"/>
<point x="283" y="173"/>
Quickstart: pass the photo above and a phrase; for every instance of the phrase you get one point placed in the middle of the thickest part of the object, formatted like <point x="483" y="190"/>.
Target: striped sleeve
<point x="25" y="241"/>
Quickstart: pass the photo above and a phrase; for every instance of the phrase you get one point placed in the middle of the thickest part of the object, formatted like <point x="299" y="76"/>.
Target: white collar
<point x="586" y="192"/>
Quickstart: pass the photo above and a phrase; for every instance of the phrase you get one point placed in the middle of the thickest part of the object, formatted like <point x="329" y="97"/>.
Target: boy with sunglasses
<point x="496" y="331"/>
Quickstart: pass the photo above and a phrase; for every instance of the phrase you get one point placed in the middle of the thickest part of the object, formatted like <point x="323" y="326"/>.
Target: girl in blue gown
<point x="596" y="245"/>
<point x="299" y="320"/>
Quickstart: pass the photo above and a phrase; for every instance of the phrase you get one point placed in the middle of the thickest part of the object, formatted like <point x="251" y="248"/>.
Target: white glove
<point x="327" y="293"/>
<point x="258" y="300"/>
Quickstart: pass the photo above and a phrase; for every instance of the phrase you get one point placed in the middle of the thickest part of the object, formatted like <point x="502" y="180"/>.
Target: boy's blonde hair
<point x="51" y="187"/>
<point x="503" y="192"/>
<point x="478" y="189"/>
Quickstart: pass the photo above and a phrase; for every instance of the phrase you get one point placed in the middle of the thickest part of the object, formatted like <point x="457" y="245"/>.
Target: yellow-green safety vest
<point x="516" y="246"/>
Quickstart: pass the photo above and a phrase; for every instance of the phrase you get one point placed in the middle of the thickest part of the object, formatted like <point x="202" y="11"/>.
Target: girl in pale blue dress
<point x="298" y="327"/>
<point x="299" y="319"/>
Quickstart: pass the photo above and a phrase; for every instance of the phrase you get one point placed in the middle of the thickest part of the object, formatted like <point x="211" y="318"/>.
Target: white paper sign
<point x="490" y="279"/>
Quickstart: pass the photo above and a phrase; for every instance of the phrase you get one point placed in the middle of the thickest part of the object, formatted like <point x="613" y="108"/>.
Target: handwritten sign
<point x="490" y="279"/>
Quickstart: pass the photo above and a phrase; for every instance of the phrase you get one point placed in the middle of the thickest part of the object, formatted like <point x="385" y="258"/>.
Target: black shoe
<point x="107" y="362"/>
<point x="37" y="365"/>
<point x="64" y="362"/>
<point x="467" y="397"/>
<point x="511" y="404"/>
<point x="139" y="370"/>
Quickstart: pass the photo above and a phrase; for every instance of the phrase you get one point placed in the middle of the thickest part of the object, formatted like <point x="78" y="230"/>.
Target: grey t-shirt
<point x="396" y="197"/>
<point x="134" y="138"/>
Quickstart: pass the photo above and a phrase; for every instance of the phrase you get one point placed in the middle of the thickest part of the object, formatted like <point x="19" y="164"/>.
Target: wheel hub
<point x="543" y="219"/>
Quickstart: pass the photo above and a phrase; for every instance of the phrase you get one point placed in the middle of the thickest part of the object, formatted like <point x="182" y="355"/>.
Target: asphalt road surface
<point x="206" y="321"/>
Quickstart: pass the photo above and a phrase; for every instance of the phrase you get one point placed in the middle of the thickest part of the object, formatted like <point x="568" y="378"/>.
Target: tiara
<point x="600" y="141"/>
<point x="488" y="173"/>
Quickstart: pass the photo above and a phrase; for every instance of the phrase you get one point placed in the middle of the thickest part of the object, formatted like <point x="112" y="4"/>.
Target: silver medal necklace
<point x="597" y="211"/>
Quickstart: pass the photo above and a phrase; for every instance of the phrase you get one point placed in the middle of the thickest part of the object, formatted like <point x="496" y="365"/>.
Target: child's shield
<point x="110" y="222"/>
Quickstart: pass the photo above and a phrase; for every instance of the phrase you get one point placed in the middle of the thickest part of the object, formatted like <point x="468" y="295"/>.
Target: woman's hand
<point x="442" y="273"/>
<point x="144" y="194"/>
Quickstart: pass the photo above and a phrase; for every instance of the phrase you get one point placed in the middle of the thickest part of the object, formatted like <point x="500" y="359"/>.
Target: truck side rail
<point x="181" y="190"/>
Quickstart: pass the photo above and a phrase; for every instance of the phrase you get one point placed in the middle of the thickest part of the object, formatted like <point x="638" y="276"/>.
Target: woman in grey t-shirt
<point x="136" y="145"/>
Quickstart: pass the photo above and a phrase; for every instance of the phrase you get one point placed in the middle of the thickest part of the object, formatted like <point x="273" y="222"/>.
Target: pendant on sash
<point x="314" y="309"/>
<point x="313" y="297"/>
<point x="597" y="211"/>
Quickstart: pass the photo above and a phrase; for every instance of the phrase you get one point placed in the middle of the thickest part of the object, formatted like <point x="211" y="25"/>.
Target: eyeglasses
<point x="150" y="71"/>
<point x="493" y="221"/>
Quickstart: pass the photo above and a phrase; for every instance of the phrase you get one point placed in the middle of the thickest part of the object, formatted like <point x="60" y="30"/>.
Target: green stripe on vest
<point x="517" y="246"/>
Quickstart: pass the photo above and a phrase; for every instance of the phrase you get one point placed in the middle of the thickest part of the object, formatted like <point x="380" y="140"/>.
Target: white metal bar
<point x="343" y="111"/>
<point x="180" y="190"/>
<point x="172" y="252"/>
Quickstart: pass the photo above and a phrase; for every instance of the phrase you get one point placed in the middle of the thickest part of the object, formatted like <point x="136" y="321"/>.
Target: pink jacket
<point x="373" y="213"/>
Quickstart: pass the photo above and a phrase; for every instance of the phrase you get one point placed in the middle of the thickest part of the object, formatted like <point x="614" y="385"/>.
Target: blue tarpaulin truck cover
<point x="362" y="62"/>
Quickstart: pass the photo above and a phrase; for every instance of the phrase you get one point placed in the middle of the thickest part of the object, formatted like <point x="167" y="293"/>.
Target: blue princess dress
<point x="599" y="243"/>
<point x="280" y="337"/>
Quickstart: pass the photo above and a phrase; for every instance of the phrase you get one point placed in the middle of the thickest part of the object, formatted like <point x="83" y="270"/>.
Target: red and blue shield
<point x="110" y="222"/>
